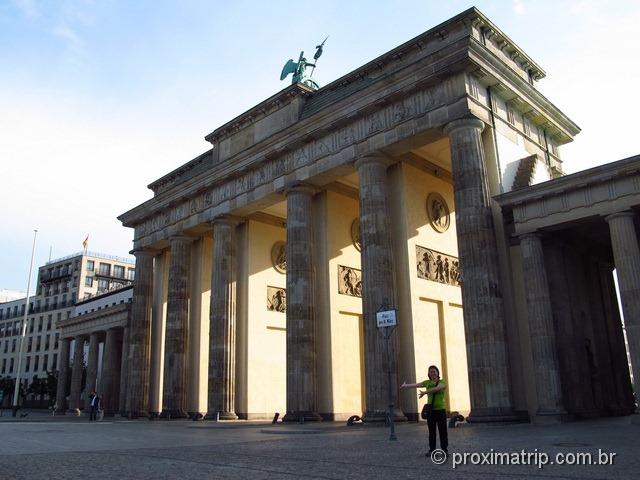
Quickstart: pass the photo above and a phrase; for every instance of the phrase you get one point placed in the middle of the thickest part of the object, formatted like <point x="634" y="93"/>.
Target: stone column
<point x="122" y="399"/>
<point x="174" y="398"/>
<point x="92" y="368"/>
<point x="626" y="255"/>
<point x="76" y="375"/>
<point x="140" y="337"/>
<point x="222" y="318"/>
<point x="63" y="374"/>
<point x="378" y="289"/>
<point x="541" y="329"/>
<point x="111" y="372"/>
<point x="484" y="318"/>
<point x="301" y="344"/>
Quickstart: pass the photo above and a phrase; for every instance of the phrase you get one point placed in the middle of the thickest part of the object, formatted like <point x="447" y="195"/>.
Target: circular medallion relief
<point x="279" y="256"/>
<point x="355" y="234"/>
<point x="438" y="212"/>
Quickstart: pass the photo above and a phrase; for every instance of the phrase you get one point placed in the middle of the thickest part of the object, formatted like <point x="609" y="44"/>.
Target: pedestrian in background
<point x="94" y="401"/>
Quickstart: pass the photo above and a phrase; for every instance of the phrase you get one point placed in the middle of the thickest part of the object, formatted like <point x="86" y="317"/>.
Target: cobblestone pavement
<point x="39" y="447"/>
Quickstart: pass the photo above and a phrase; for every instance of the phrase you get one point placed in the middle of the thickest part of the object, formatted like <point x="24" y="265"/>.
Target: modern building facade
<point x="61" y="284"/>
<point x="262" y="263"/>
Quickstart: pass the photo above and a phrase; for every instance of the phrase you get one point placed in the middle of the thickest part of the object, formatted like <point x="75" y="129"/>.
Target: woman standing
<point x="434" y="388"/>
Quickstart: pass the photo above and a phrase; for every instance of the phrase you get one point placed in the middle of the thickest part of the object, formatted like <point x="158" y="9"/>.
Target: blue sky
<point x="100" y="98"/>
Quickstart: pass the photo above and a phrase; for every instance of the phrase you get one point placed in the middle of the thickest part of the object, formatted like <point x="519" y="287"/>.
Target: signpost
<point x="386" y="320"/>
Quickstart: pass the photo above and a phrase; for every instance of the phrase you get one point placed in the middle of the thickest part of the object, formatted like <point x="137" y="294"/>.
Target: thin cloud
<point x="26" y="7"/>
<point x="519" y="7"/>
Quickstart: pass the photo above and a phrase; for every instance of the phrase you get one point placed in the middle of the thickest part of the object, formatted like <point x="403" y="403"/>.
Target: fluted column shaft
<point x="63" y="374"/>
<point x="76" y="374"/>
<point x="541" y="329"/>
<point x="124" y="367"/>
<point x="140" y="337"/>
<point x="378" y="287"/>
<point x="92" y="368"/>
<point x="301" y="342"/>
<point x="484" y="318"/>
<point x="174" y="398"/>
<point x="111" y="372"/>
<point x="222" y="321"/>
<point x="626" y="255"/>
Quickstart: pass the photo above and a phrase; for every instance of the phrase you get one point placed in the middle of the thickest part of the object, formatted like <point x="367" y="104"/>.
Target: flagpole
<point x="16" y="388"/>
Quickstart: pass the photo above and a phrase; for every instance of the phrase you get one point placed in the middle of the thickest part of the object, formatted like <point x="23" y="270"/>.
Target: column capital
<point x="373" y="158"/>
<point x="463" y="123"/>
<point x="623" y="214"/>
<point x="143" y="252"/>
<point x="300" y="187"/>
<point x="527" y="235"/>
<point x="182" y="238"/>
<point x="226" y="219"/>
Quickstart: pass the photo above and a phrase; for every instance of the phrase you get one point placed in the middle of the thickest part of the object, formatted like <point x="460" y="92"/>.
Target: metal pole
<point x="392" y="433"/>
<point x="16" y="388"/>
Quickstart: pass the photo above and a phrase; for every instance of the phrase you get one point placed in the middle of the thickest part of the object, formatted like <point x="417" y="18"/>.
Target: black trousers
<point x="92" y="414"/>
<point x="438" y="418"/>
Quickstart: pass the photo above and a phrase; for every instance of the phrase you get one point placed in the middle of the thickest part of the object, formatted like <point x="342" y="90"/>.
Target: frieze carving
<point x="276" y="299"/>
<point x="355" y="234"/>
<point x="349" y="281"/>
<point x="437" y="266"/>
<point x="279" y="257"/>
<point x="438" y="212"/>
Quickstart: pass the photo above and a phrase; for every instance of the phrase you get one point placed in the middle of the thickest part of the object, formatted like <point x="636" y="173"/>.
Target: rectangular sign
<point x="386" y="318"/>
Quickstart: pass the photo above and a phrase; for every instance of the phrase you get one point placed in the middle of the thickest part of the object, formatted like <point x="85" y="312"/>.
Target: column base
<point x="137" y="414"/>
<point x="380" y="416"/>
<point x="497" y="415"/>
<point x="172" y="414"/>
<point x="550" y="418"/>
<point x="215" y="416"/>
<point x="302" y="417"/>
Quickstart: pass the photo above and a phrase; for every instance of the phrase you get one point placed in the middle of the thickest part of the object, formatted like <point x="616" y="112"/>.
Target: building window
<point x="11" y="365"/>
<point x="38" y="343"/>
<point x="6" y="346"/>
<point x="56" y="341"/>
<point x="90" y="265"/>
<point x="40" y="324"/>
<point x="30" y="344"/>
<point x="118" y="271"/>
<point x="46" y="342"/>
<point x="13" y="347"/>
<point x="131" y="273"/>
<point x="49" y="322"/>
<point x="103" y="285"/>
<point x="35" y="363"/>
<point x="45" y="363"/>
<point x="31" y="324"/>
<point x="105" y="269"/>
<point x="4" y="365"/>
<point x="54" y="363"/>
<point x="27" y="366"/>
<point x="88" y="281"/>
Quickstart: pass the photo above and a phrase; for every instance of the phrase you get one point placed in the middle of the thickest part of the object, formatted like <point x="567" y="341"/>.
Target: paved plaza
<point x="41" y="447"/>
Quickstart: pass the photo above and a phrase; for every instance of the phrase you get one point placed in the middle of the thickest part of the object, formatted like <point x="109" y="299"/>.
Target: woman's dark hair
<point x="436" y="368"/>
